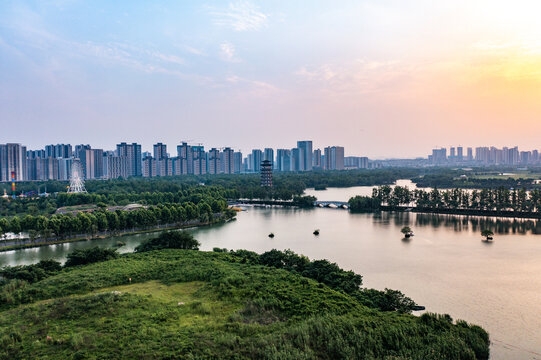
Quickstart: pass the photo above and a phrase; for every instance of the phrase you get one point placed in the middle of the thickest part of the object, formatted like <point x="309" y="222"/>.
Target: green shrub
<point x="88" y="256"/>
<point x="170" y="240"/>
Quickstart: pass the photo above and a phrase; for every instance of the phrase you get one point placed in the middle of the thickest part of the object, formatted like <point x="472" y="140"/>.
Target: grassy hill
<point x="209" y="305"/>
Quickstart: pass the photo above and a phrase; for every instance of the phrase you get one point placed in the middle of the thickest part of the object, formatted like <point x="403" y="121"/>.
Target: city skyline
<point x="369" y="75"/>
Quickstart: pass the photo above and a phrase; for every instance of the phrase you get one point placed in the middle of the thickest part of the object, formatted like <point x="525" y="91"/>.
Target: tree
<point x="170" y="240"/>
<point x="487" y="233"/>
<point x="406" y="230"/>
<point x="88" y="256"/>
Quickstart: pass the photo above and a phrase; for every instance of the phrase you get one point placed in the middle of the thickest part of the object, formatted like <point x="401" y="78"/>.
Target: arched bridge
<point x="331" y="204"/>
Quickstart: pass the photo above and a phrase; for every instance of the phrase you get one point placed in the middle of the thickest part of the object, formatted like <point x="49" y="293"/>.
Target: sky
<point x="383" y="78"/>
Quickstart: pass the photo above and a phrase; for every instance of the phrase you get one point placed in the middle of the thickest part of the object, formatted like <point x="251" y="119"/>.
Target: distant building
<point x="214" y="161"/>
<point x="334" y="158"/>
<point x="439" y="156"/>
<point x="133" y="154"/>
<point x="266" y="173"/>
<point x="460" y="153"/>
<point x="199" y="162"/>
<point x="257" y="158"/>
<point x="227" y="160"/>
<point x="268" y="154"/>
<point x="160" y="151"/>
<point x="237" y="162"/>
<point x="283" y="160"/>
<point x="316" y="159"/>
<point x="305" y="155"/>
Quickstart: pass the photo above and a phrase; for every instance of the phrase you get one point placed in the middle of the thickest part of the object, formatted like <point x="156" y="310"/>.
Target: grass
<point x="197" y="305"/>
<point x="515" y="176"/>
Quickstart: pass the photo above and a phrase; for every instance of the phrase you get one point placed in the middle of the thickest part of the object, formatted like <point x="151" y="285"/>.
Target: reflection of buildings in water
<point x="460" y="222"/>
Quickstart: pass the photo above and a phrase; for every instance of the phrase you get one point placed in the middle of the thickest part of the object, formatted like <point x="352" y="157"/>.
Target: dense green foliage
<point x="101" y="220"/>
<point x="89" y="256"/>
<point x="304" y="201"/>
<point x="363" y="203"/>
<point x="486" y="199"/>
<point x="329" y="274"/>
<point x="190" y="304"/>
<point x="170" y="240"/>
<point x="31" y="273"/>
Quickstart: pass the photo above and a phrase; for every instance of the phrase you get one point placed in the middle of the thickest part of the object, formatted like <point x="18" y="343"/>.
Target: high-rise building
<point x="283" y="160"/>
<point x="199" y="160"/>
<point x="185" y="159"/>
<point x="214" y="161"/>
<point x="98" y="163"/>
<point x="470" y="154"/>
<point x="305" y="155"/>
<point x="133" y="155"/>
<point x="268" y="154"/>
<point x="460" y="153"/>
<point x="316" y="159"/>
<point x="114" y="166"/>
<point x="257" y="158"/>
<point x="227" y="161"/>
<point x="12" y="161"/>
<point x="149" y="167"/>
<point x="334" y="158"/>
<point x="439" y="156"/>
<point x="160" y="151"/>
<point x="296" y="160"/>
<point x="59" y="151"/>
<point x="356" y="162"/>
<point x="237" y="162"/>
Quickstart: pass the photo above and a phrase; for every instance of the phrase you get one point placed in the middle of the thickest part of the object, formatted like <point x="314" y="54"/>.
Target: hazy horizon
<point x="386" y="79"/>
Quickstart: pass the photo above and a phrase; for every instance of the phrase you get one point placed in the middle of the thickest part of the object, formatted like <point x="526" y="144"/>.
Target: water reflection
<point x="460" y="222"/>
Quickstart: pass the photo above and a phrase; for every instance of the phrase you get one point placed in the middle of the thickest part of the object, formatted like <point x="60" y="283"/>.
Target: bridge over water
<point x="332" y="204"/>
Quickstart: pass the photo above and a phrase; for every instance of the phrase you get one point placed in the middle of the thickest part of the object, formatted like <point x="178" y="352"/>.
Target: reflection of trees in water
<point x="461" y="222"/>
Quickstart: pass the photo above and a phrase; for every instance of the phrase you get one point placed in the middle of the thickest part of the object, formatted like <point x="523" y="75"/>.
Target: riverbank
<point x="467" y="212"/>
<point x="28" y="243"/>
<point x="192" y="304"/>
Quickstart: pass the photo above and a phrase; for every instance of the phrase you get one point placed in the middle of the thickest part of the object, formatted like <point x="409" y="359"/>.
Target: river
<point x="445" y="266"/>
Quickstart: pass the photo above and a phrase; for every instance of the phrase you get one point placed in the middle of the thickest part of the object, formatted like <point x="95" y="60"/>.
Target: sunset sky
<point x="382" y="78"/>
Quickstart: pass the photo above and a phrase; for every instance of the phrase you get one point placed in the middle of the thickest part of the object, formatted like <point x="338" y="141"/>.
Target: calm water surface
<point x="445" y="266"/>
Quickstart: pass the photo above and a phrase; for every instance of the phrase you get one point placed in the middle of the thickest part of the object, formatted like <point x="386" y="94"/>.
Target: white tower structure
<point x="77" y="184"/>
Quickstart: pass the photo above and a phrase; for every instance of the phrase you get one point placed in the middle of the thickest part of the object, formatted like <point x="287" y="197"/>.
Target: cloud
<point x="194" y="51"/>
<point x="227" y="52"/>
<point x="240" y="16"/>
<point x="250" y="88"/>
<point x="357" y="77"/>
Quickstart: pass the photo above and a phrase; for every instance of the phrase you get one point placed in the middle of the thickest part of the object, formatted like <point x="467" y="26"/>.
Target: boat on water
<point x="410" y="234"/>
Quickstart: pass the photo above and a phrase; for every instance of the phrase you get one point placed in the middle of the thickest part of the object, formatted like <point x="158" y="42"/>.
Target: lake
<point x="445" y="266"/>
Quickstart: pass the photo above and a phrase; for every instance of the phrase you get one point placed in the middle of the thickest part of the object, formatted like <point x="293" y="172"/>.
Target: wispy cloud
<point x="251" y="88"/>
<point x="361" y="76"/>
<point x="240" y="16"/>
<point x="227" y="52"/>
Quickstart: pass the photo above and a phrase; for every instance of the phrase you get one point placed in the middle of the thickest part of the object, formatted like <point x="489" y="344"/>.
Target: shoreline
<point x="463" y="212"/>
<point x="27" y="244"/>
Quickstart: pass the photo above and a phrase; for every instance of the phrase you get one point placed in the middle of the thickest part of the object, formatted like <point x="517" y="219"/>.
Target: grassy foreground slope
<point x="201" y="305"/>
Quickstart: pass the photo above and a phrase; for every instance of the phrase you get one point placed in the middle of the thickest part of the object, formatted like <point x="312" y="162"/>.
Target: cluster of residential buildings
<point x="484" y="156"/>
<point x="55" y="161"/>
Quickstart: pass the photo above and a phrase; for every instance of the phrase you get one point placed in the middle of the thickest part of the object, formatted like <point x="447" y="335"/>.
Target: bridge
<point x="332" y="204"/>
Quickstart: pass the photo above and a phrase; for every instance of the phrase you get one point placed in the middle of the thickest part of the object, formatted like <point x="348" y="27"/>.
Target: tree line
<point x="101" y="220"/>
<point x="500" y="199"/>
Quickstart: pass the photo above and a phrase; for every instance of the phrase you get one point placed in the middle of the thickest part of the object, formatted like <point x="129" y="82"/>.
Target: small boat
<point x="271" y="235"/>
<point x="316" y="232"/>
<point x="408" y="235"/>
